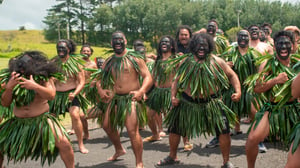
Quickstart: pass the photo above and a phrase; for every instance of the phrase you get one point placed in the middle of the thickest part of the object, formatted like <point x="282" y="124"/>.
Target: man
<point x="68" y="96"/>
<point x="37" y="134"/>
<point x="273" y="74"/>
<point x="200" y="110"/>
<point x="121" y="89"/>
<point x="89" y="89"/>
<point x="138" y="45"/>
<point x="221" y="42"/>
<point x="255" y="43"/>
<point x="183" y="35"/>
<point x="159" y="98"/>
<point x="267" y="28"/>
<point x="296" y="31"/>
<point x="241" y="59"/>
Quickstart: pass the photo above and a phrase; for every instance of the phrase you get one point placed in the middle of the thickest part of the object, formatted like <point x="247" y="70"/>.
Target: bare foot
<point x="162" y="134"/>
<point x="71" y="132"/>
<point x="83" y="150"/>
<point x="116" y="155"/>
<point x="85" y="137"/>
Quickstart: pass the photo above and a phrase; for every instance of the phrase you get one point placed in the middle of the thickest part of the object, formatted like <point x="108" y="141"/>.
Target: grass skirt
<point x="281" y="120"/>
<point x="23" y="138"/>
<point x="159" y="99"/>
<point x="294" y="136"/>
<point x="196" y="119"/>
<point x="120" y="106"/>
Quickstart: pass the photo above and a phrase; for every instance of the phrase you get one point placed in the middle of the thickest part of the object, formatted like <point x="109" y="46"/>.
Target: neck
<point x="166" y="55"/>
<point x="253" y="43"/>
<point x="65" y="59"/>
<point x="243" y="50"/>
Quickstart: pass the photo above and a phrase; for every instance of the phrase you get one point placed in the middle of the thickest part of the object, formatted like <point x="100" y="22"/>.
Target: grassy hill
<point x="14" y="42"/>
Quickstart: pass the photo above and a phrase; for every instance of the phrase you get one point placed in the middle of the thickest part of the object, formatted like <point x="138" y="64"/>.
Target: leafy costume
<point x="120" y="105"/>
<point x="159" y="99"/>
<point x="243" y="66"/>
<point x="283" y="115"/>
<point x="23" y="138"/>
<point x="221" y="44"/>
<point x="195" y="116"/>
<point x="61" y="104"/>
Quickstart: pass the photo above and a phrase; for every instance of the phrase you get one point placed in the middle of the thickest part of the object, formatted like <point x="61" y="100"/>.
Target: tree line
<point x="93" y="21"/>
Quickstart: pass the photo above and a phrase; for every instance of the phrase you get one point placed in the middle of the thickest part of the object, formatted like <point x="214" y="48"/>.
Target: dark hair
<point x="183" y="27"/>
<point x="195" y="40"/>
<point x="284" y="33"/>
<point x="253" y="25"/>
<point x="173" y="45"/>
<point x="267" y="24"/>
<point x="32" y="63"/>
<point x="237" y="33"/>
<point x="70" y="44"/>
<point x="213" y="20"/>
<point x="87" y="45"/>
<point x="118" y="31"/>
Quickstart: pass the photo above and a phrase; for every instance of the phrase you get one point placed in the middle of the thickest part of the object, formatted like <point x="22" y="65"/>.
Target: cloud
<point x="28" y="13"/>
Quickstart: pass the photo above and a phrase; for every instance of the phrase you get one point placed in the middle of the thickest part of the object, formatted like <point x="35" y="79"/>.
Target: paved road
<point x="100" y="149"/>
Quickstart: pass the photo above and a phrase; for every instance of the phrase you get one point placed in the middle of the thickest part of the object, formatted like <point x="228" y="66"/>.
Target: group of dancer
<point x="197" y="84"/>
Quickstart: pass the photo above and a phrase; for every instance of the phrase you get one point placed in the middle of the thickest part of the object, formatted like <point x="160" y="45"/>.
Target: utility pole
<point x="238" y="17"/>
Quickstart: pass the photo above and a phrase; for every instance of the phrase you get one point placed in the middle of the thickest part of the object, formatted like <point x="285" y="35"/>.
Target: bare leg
<point x="174" y="141"/>
<point x="152" y="125"/>
<point x="64" y="146"/>
<point x="159" y="123"/>
<point x="114" y="137"/>
<point x="293" y="158"/>
<point x="76" y="122"/>
<point x="254" y="137"/>
<point x="85" y="126"/>
<point x="225" y="143"/>
<point x="134" y="135"/>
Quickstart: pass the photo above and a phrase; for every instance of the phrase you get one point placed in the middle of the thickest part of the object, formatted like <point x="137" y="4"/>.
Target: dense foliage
<point x="93" y="21"/>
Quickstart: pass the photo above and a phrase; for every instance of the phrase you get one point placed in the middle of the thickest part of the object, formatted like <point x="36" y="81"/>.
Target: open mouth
<point x="284" y="53"/>
<point x="201" y="53"/>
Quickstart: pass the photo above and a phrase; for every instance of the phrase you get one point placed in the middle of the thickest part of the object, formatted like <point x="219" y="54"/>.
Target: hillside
<point x="13" y="42"/>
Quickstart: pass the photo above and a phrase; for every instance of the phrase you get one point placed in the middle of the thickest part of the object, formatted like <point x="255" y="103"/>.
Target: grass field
<point x="14" y="42"/>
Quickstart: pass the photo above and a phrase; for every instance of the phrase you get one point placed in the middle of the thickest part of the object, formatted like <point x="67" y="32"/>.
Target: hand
<point x="105" y="95"/>
<point x="282" y="78"/>
<point x="71" y="96"/>
<point x="137" y="95"/>
<point x="13" y="81"/>
<point x="145" y="97"/>
<point x="230" y="63"/>
<point x="29" y="84"/>
<point x="175" y="101"/>
<point x="236" y="97"/>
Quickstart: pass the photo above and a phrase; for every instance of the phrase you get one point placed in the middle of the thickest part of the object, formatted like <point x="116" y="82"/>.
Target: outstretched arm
<point x="296" y="87"/>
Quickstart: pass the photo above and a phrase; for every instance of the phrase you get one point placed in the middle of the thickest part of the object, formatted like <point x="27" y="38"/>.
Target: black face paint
<point x="211" y="28"/>
<point x="262" y="36"/>
<point x="62" y="49"/>
<point x="266" y="30"/>
<point x="139" y="47"/>
<point x="118" y="43"/>
<point x="254" y="33"/>
<point x="243" y="39"/>
<point x="201" y="51"/>
<point x="24" y="66"/>
<point x="283" y="47"/>
<point x="165" y="45"/>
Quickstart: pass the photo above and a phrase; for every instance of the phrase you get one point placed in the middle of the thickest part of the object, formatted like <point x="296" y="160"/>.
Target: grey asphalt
<point x="100" y="148"/>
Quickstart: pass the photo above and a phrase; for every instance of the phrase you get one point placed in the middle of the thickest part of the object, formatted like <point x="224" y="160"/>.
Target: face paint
<point x="118" y="43"/>
<point x="165" y="45"/>
<point x="201" y="51"/>
<point x="139" y="47"/>
<point x="62" y="49"/>
<point x="243" y="39"/>
<point x="86" y="51"/>
<point x="254" y="33"/>
<point x="283" y="47"/>
<point x="266" y="30"/>
<point x="262" y="36"/>
<point x="211" y="28"/>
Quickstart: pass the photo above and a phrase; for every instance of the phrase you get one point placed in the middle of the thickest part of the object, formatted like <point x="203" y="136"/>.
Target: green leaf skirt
<point x="281" y="120"/>
<point x="195" y="119"/>
<point x="294" y="136"/>
<point x="23" y="138"/>
<point x="6" y="112"/>
<point x="61" y="104"/>
<point x="159" y="99"/>
<point x="120" y="107"/>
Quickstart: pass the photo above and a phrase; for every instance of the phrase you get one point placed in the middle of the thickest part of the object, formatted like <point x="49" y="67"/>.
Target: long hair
<point x="173" y="45"/>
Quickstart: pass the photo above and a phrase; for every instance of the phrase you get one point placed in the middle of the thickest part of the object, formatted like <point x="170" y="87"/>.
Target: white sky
<point x="30" y="13"/>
